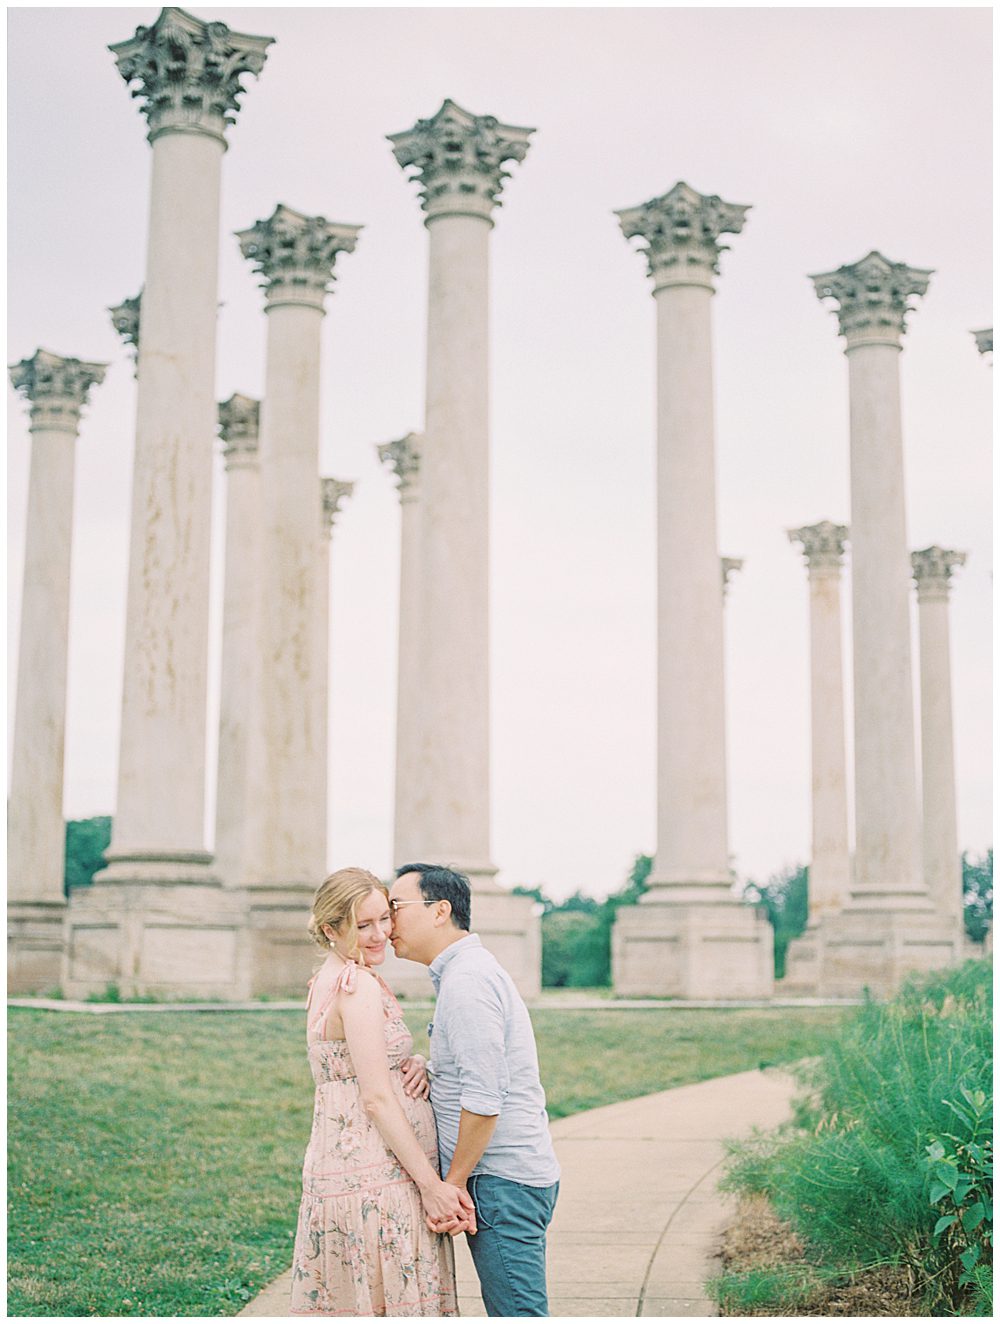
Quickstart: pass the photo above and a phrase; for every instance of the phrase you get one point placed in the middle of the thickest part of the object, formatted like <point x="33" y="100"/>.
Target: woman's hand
<point x="416" y="1084"/>
<point x="448" y="1208"/>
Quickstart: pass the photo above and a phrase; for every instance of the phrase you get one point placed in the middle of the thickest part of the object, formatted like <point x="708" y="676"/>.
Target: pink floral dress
<point x="362" y="1246"/>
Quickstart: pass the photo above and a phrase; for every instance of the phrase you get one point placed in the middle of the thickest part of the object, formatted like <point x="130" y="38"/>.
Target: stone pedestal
<point x="692" y="951"/>
<point x="457" y="158"/>
<point x="932" y="570"/>
<point x="239" y="419"/>
<point x="57" y="389"/>
<point x="888" y="920"/>
<point x="830" y="864"/>
<point x="689" y="905"/>
<point x="295" y="255"/>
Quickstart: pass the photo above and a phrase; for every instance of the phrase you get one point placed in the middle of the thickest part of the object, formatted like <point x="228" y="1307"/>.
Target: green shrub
<point x="853" y="1174"/>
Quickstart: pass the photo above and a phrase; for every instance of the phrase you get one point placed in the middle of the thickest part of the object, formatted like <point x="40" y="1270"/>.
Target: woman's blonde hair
<point x="336" y="904"/>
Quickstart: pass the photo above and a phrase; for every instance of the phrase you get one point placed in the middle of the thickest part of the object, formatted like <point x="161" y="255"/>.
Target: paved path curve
<point x="638" y="1220"/>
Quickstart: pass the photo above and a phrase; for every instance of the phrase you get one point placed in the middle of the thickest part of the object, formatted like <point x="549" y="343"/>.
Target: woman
<point x="370" y="1178"/>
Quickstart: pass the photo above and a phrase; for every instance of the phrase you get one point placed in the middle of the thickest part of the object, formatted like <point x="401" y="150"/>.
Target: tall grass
<point x="891" y="1139"/>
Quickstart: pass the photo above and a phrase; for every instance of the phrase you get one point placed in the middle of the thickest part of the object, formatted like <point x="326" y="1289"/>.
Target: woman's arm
<point x="362" y="1015"/>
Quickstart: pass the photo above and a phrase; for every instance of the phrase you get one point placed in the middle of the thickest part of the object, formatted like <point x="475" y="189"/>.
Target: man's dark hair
<point x="440" y="884"/>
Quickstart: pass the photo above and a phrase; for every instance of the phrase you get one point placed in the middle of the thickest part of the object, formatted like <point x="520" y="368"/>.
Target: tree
<point x="86" y="841"/>
<point x="977" y="887"/>
<point x="784" y="898"/>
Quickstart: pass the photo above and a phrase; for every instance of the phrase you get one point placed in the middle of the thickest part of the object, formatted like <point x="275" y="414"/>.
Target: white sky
<point x="847" y="129"/>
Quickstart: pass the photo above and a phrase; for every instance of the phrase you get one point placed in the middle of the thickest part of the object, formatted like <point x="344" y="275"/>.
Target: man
<point x="493" y="1130"/>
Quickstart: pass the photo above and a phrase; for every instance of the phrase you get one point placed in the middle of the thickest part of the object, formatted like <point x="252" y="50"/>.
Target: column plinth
<point x="830" y="863"/>
<point x="57" y="388"/>
<point x="295" y="256"/>
<point x="703" y="941"/>
<point x="932" y="570"/>
<point x="457" y="158"/>
<point x="888" y="925"/>
<point x="186" y="75"/>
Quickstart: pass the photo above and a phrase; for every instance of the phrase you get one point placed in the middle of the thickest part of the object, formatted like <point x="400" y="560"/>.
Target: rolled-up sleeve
<point x="477" y="1031"/>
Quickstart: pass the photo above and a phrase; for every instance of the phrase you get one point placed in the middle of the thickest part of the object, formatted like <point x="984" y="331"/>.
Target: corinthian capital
<point x="296" y="254"/>
<point x="932" y="570"/>
<point x="984" y="340"/>
<point x="403" y="458"/>
<point x="822" y="544"/>
<point x="187" y="72"/>
<point x="458" y="158"/>
<point x="239" y="428"/>
<point x="332" y="492"/>
<point x="731" y="565"/>
<point x="874" y="296"/>
<point x="125" y="318"/>
<point x="57" y="389"/>
<point x="681" y="230"/>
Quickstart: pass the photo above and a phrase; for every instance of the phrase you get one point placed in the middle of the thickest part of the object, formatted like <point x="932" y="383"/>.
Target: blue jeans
<point x="508" y="1250"/>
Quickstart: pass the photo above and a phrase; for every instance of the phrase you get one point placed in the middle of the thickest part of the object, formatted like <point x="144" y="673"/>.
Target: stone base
<point x="511" y="930"/>
<point x="803" y="966"/>
<point x="686" y="950"/>
<point x="36" y="940"/>
<point x="281" y="958"/>
<point x="160" y="939"/>
<point x="876" y="950"/>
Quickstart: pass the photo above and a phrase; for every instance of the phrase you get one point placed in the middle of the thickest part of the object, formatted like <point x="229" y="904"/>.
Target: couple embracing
<point x="403" y="1156"/>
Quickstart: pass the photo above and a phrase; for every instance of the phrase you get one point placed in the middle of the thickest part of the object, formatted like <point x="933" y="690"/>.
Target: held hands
<point x="449" y="1208"/>
<point x="416" y="1084"/>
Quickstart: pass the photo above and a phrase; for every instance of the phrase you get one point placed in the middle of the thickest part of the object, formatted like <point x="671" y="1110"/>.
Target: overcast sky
<point x="846" y="129"/>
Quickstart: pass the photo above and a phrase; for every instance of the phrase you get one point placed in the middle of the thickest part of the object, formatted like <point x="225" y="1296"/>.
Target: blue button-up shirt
<point x="483" y="1059"/>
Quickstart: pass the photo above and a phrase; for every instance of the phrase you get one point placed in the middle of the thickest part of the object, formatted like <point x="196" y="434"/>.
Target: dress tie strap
<point x="346" y="981"/>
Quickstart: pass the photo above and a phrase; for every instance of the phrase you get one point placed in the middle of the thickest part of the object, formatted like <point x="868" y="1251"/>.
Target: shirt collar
<point x="440" y="962"/>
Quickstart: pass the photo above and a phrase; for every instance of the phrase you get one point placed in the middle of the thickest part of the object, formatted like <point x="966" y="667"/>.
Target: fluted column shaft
<point x="830" y="863"/>
<point x="188" y="73"/>
<point x="36" y="843"/>
<point x="942" y="860"/>
<point x="692" y="831"/>
<point x="452" y="799"/>
<point x="404" y="457"/>
<point x="240" y="684"/>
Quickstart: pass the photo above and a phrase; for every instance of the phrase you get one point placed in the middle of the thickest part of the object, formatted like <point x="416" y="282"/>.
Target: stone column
<point x="163" y="929"/>
<point x="830" y="864"/>
<point x="888" y="926"/>
<point x="691" y="938"/>
<point x="333" y="492"/>
<point x="187" y="75"/>
<point x="125" y="318"/>
<point x="239" y="420"/>
<point x="403" y="457"/>
<point x="57" y="389"/>
<point x="932" y="570"/>
<point x="295" y="256"/>
<point x="458" y="158"/>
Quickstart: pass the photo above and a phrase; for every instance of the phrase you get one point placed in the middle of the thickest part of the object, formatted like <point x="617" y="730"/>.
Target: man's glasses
<point x="398" y="905"/>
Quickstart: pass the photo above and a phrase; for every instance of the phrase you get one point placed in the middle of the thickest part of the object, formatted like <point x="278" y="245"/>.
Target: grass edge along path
<point x="152" y="1174"/>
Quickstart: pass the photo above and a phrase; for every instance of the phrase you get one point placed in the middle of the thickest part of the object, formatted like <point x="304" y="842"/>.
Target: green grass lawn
<point x="155" y="1159"/>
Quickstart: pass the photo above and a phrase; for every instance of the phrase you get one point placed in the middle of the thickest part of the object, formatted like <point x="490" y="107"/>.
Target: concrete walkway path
<point x="638" y="1221"/>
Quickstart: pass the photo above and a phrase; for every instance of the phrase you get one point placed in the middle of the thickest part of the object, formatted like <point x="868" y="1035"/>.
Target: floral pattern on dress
<point x="361" y="1245"/>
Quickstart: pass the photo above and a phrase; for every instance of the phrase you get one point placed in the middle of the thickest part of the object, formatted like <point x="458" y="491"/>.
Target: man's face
<point x="413" y="927"/>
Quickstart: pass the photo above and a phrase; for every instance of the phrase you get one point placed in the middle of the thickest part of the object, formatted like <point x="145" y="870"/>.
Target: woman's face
<point x="374" y="923"/>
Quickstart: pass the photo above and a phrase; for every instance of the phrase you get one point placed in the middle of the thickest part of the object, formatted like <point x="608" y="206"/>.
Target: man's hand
<point x="464" y="1222"/>
<point x="447" y="1207"/>
<point x="416" y="1083"/>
